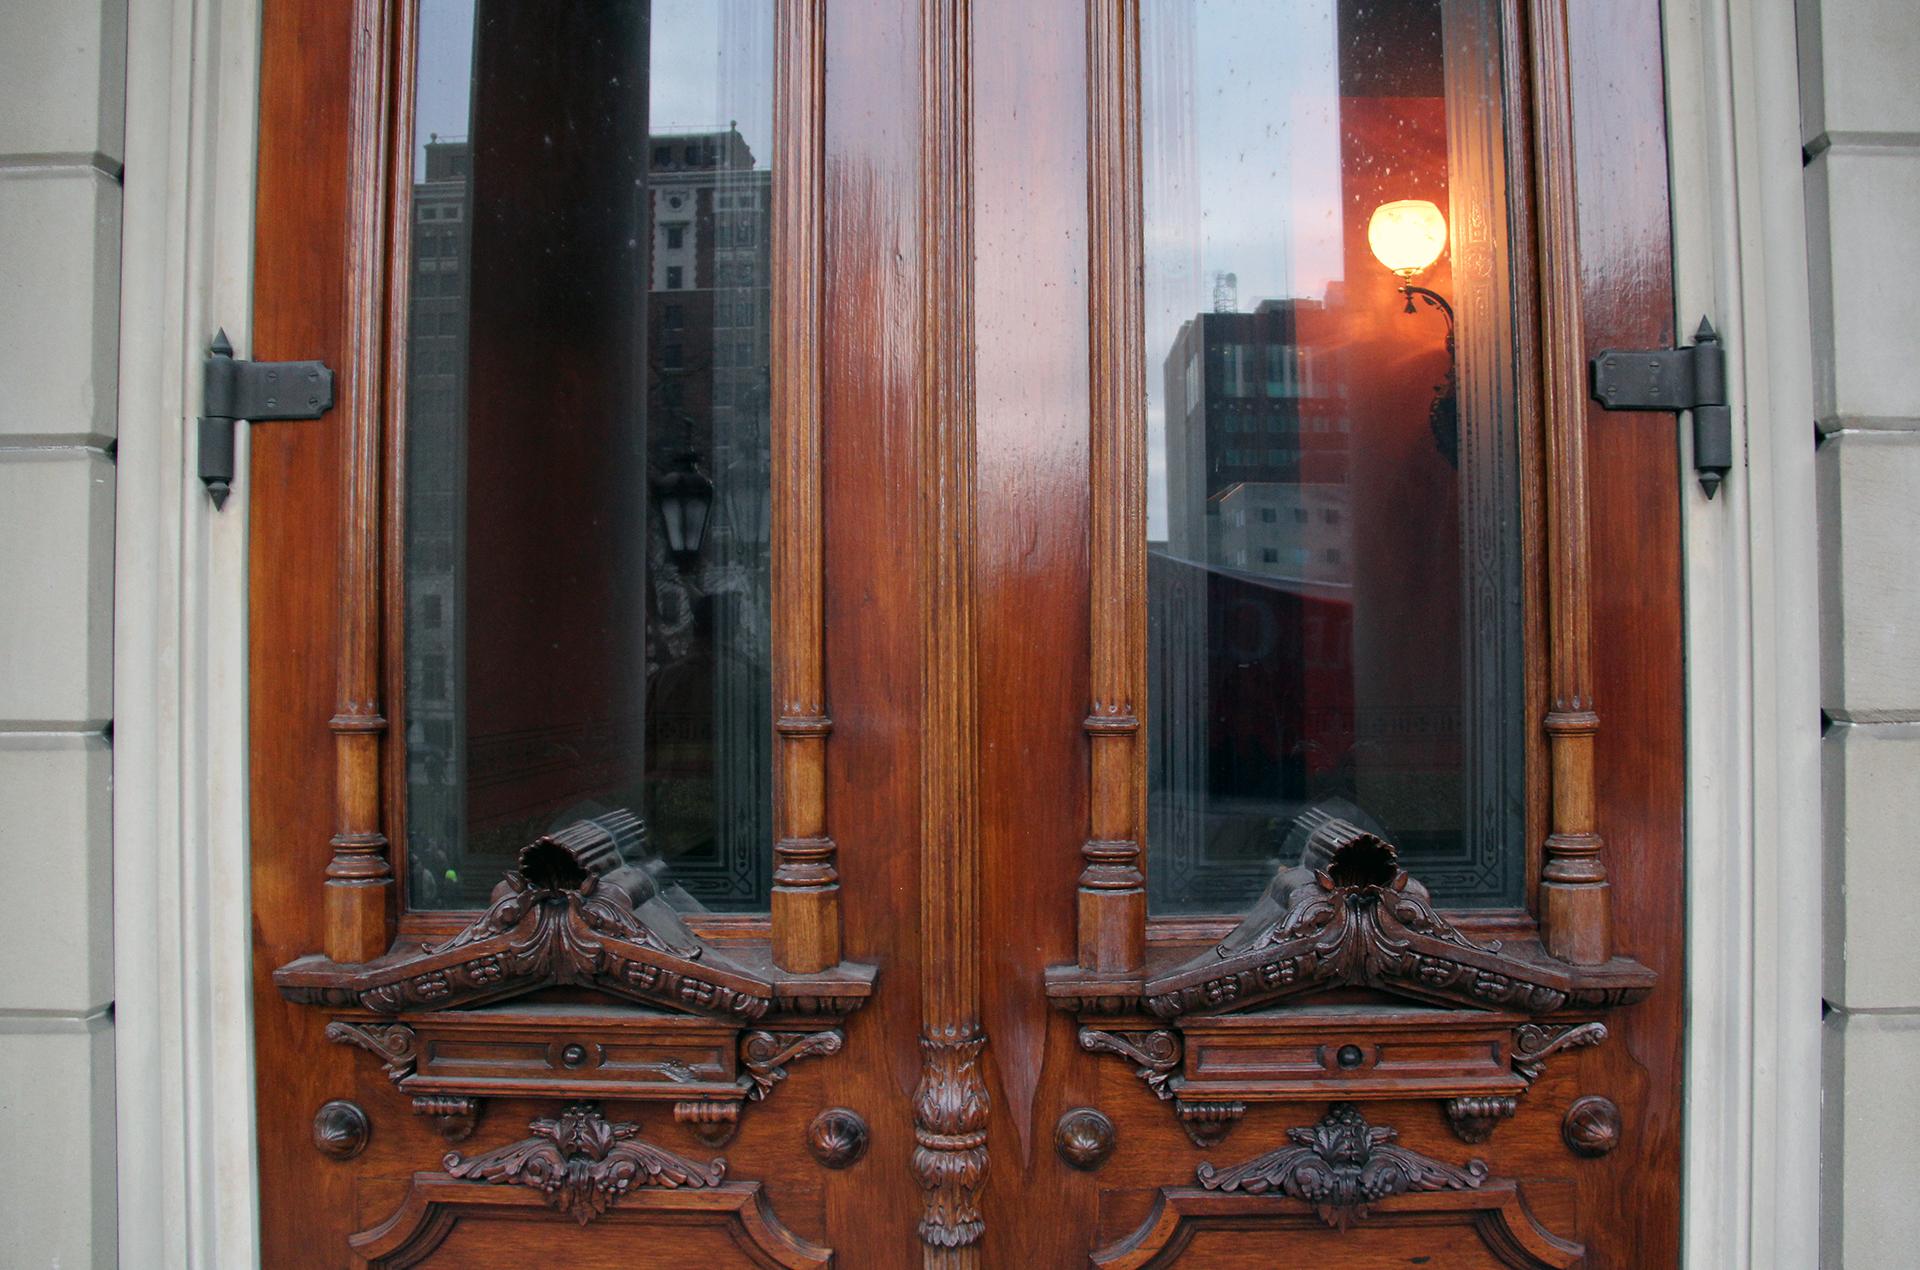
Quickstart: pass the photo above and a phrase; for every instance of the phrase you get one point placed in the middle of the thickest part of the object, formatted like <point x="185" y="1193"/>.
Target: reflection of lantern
<point x="1407" y="236"/>
<point x="685" y="496"/>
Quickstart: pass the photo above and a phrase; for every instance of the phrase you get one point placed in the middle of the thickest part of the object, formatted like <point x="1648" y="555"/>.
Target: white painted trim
<point x="182" y="934"/>
<point x="1751" y="1186"/>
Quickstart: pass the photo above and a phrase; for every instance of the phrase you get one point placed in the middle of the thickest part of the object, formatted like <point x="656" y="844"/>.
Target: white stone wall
<point x="1860" y="111"/>
<point x="62" y="84"/>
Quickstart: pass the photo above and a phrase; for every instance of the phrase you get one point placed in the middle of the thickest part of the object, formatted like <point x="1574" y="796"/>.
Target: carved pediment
<point x="1349" y="916"/>
<point x="572" y="914"/>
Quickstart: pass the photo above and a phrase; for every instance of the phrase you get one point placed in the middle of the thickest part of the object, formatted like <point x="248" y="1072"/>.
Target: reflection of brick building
<point x="436" y="501"/>
<point x="709" y="297"/>
<point x="709" y="309"/>
<point x="701" y="773"/>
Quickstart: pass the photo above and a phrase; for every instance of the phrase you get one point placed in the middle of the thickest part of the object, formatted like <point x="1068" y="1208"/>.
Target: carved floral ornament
<point x="1342" y="1166"/>
<point x="583" y="1163"/>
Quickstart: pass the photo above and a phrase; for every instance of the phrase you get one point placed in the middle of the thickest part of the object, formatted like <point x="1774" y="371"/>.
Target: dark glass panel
<point x="586" y="475"/>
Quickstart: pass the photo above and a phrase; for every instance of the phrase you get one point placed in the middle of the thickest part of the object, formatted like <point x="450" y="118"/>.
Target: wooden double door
<point x="966" y="632"/>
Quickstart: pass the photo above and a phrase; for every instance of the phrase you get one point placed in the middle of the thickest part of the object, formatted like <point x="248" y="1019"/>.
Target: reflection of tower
<point x="709" y="314"/>
<point x="1226" y="293"/>
<point x="435" y="509"/>
<point x="1170" y="193"/>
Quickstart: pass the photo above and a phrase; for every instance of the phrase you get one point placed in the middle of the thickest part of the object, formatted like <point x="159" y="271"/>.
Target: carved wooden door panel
<point x="964" y="632"/>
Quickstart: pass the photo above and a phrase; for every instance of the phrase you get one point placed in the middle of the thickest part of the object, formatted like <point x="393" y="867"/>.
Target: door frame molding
<point x="182" y="916"/>
<point x="183" y="1021"/>
<point x="1751" y="595"/>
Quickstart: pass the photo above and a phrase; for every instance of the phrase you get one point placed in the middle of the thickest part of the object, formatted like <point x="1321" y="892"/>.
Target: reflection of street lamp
<point x="1407" y="237"/>
<point x="685" y="496"/>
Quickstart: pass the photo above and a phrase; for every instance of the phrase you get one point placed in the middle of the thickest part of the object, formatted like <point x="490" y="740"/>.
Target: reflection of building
<point x="1254" y="421"/>
<point x="1251" y="603"/>
<point x="436" y="505"/>
<point x="707" y="758"/>
<point x="1293" y="530"/>
<point x="709" y="309"/>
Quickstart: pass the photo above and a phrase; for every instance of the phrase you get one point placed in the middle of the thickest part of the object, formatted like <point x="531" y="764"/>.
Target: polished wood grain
<point x="1113" y="897"/>
<point x="872" y="475"/>
<point x="950" y="1102"/>
<point x="1635" y="488"/>
<point x="359" y="878"/>
<point x="1033" y="523"/>
<point x="294" y="557"/>
<point x="806" y="881"/>
<point x="1576" y="920"/>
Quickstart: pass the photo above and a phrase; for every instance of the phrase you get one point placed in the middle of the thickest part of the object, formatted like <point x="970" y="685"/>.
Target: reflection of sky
<point x="711" y="65"/>
<point x="1241" y="163"/>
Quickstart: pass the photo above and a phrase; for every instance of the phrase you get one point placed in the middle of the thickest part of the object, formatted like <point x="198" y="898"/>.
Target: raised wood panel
<point x="1489" y="1228"/>
<point x="445" y="1223"/>
<point x="1032" y="377"/>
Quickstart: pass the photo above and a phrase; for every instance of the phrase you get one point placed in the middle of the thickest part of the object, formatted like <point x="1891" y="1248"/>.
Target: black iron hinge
<point x="258" y="392"/>
<point x="1692" y="378"/>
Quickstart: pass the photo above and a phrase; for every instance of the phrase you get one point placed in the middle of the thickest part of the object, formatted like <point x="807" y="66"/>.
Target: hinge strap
<point x="1691" y="378"/>
<point x="258" y="392"/>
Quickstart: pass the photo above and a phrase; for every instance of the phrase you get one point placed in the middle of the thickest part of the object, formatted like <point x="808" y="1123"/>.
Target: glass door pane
<point x="1333" y="505"/>
<point x="586" y="442"/>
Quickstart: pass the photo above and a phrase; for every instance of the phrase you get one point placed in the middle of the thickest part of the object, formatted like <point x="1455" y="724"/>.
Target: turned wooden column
<point x="359" y="878"/>
<point x="950" y="1105"/>
<point x="806" y="882"/>
<point x="1576" y="909"/>
<point x="1112" y="894"/>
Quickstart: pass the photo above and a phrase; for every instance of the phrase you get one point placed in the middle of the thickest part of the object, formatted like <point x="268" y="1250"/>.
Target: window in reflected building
<point x="1334" y="554"/>
<point x="585" y="481"/>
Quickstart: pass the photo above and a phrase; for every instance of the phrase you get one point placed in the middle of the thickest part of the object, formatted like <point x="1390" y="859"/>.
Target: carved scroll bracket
<point x="1155" y="1054"/>
<point x="766" y="1054"/>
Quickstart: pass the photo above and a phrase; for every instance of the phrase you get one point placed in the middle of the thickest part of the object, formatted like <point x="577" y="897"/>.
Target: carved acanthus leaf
<point x="1342" y="1166"/>
<point x="572" y="914"/>
<point x="950" y="1108"/>
<point x="583" y="1163"/>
